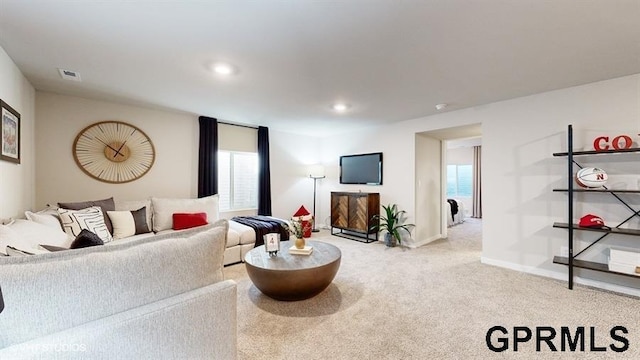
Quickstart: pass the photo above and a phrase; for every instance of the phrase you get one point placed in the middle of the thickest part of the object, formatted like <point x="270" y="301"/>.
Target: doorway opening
<point x="448" y="184"/>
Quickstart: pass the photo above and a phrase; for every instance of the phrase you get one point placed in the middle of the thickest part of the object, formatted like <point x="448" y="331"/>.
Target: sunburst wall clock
<point x="113" y="152"/>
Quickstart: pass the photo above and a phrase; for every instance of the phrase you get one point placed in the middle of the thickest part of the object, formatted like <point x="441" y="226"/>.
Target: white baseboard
<point x="417" y="244"/>
<point x="561" y="276"/>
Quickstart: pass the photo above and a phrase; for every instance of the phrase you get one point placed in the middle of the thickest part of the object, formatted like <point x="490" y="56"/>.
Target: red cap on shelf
<point x="592" y="221"/>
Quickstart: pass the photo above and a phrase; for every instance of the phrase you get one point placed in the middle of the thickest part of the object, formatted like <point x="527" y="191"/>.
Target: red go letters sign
<point x="618" y="143"/>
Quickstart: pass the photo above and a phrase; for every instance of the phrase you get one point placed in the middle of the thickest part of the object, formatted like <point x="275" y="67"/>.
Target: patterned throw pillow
<point x="104" y="204"/>
<point x="92" y="219"/>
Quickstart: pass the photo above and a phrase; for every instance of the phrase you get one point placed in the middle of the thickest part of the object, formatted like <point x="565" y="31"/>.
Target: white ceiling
<point x="392" y="60"/>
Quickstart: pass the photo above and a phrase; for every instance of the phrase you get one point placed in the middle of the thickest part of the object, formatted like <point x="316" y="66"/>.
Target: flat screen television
<point x="363" y="169"/>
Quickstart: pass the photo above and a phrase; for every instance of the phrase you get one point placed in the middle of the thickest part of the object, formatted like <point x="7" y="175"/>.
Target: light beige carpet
<point x="434" y="302"/>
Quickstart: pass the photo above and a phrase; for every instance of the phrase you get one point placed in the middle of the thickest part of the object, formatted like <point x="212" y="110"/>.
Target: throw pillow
<point x="163" y="210"/>
<point x="27" y="235"/>
<point x="128" y="223"/>
<point x="130" y="205"/>
<point x="12" y="251"/>
<point x="7" y="236"/>
<point x="85" y="239"/>
<point x="92" y="219"/>
<point x="52" y="248"/>
<point x="183" y="221"/>
<point x="47" y="217"/>
<point x="105" y="205"/>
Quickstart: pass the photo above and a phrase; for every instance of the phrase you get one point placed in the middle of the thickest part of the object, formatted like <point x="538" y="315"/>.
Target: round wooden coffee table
<point x="293" y="277"/>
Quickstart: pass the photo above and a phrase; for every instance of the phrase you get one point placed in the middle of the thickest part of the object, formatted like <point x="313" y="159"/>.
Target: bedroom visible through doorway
<point x="460" y="186"/>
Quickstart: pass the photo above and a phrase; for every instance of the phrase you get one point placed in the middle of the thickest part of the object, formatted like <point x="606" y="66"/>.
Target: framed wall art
<point x="10" y="143"/>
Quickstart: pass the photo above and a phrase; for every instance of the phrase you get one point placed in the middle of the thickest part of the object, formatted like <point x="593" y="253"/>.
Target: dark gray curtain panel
<point x="264" y="172"/>
<point x="477" y="184"/>
<point x="208" y="157"/>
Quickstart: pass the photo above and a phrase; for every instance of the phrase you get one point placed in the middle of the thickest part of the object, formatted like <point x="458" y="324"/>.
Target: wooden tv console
<point x="352" y="214"/>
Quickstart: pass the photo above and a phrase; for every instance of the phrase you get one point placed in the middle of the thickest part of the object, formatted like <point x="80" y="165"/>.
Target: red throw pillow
<point x="185" y="221"/>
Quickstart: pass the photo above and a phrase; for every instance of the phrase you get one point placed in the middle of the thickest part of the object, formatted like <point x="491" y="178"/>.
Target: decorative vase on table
<point x="298" y="231"/>
<point x="300" y="243"/>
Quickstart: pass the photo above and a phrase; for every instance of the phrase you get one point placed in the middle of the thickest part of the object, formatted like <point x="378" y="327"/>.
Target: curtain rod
<point x="240" y="125"/>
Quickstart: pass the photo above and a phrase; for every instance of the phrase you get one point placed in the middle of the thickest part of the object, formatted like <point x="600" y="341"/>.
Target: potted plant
<point x="391" y="223"/>
<point x="297" y="230"/>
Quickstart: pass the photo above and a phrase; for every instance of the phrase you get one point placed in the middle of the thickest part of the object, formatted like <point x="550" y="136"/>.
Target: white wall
<point x="397" y="146"/>
<point x="428" y="184"/>
<point x="397" y="143"/>
<point x="519" y="171"/>
<point x="60" y="118"/>
<point x="291" y="154"/>
<point x="17" y="180"/>
<point x="460" y="156"/>
<point x="174" y="173"/>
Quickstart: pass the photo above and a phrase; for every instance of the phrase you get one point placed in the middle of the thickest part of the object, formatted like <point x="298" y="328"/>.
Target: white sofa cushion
<point x="233" y="237"/>
<point x="163" y="210"/>
<point x="246" y="234"/>
<point x="27" y="235"/>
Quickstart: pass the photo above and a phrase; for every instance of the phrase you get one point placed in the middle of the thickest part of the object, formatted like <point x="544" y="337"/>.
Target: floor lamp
<point x="316" y="172"/>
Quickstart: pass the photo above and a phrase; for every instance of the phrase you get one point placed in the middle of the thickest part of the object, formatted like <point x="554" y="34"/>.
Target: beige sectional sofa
<point x="159" y="297"/>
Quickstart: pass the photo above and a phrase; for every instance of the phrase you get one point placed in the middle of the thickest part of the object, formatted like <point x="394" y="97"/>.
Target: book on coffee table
<point x="304" y="251"/>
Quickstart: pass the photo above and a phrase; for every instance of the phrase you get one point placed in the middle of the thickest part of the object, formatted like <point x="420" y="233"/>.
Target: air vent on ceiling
<point x="70" y="75"/>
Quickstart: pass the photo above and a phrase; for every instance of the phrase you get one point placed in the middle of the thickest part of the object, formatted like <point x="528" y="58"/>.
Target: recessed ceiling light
<point x="340" y="107"/>
<point x="223" y="69"/>
<point x="441" y="106"/>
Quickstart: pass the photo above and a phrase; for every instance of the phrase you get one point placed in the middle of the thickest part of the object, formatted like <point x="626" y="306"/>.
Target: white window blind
<point x="459" y="180"/>
<point x="237" y="180"/>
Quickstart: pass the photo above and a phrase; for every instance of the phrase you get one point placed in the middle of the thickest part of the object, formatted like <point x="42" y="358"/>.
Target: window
<point x="459" y="180"/>
<point x="237" y="180"/>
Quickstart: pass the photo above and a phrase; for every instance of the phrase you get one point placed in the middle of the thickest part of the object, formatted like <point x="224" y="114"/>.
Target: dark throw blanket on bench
<point x="264" y="225"/>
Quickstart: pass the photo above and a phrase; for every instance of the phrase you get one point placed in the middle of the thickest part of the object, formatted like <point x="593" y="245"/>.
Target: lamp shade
<point x="316" y="171"/>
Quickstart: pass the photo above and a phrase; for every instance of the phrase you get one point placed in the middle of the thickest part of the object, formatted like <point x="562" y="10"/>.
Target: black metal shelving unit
<point x="571" y="261"/>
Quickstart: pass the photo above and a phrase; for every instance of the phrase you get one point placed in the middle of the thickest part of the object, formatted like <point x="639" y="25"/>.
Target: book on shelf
<point x="307" y="250"/>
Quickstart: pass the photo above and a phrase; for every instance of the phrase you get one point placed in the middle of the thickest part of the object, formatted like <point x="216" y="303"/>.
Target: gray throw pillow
<point x="85" y="239"/>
